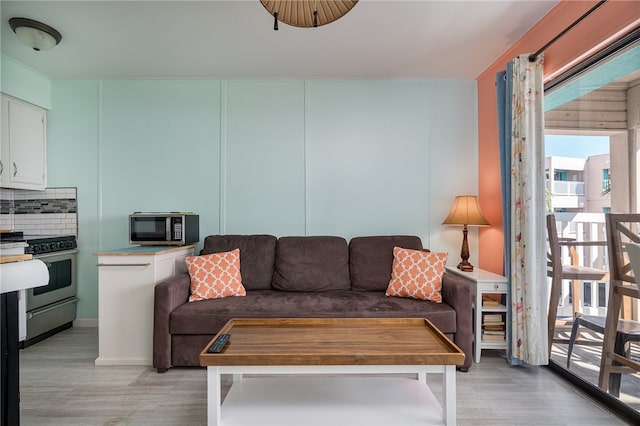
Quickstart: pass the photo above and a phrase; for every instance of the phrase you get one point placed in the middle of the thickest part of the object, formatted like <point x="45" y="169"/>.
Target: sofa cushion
<point x="371" y="259"/>
<point x="417" y="274"/>
<point x="315" y="263"/>
<point x="208" y="316"/>
<point x="257" y="256"/>
<point x="215" y="275"/>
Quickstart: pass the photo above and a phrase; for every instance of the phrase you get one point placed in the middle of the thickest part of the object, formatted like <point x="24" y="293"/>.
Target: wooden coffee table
<point x="332" y="347"/>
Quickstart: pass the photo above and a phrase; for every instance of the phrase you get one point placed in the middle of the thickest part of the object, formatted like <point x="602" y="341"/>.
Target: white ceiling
<point x="231" y="39"/>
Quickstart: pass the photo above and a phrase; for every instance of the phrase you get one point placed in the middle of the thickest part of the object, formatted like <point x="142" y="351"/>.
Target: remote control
<point x="219" y="344"/>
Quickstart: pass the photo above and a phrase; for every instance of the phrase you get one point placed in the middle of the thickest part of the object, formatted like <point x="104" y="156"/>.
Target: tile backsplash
<point x="53" y="211"/>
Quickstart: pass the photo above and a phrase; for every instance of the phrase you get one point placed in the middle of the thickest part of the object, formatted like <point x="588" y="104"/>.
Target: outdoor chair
<point x="560" y="272"/>
<point x="622" y="230"/>
<point x="628" y="331"/>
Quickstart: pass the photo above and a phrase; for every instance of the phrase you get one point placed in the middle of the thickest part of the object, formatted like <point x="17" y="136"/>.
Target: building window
<point x="560" y="175"/>
<point x="606" y="181"/>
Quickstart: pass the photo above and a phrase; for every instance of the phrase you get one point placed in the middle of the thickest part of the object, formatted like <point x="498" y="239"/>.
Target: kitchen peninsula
<point x="126" y="281"/>
<point x="14" y="276"/>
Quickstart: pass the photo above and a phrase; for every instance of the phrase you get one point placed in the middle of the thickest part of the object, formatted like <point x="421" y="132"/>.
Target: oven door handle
<point x="37" y="312"/>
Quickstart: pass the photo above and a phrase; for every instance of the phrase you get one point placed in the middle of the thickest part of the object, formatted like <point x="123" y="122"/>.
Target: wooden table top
<point x="335" y="341"/>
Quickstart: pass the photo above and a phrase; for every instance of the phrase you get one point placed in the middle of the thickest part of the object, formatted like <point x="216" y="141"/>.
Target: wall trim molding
<point x="222" y="219"/>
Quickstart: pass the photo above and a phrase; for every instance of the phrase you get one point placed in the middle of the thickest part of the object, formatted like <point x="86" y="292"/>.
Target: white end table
<point x="486" y="283"/>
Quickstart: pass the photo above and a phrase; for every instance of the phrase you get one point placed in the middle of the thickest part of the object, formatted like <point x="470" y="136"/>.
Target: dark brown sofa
<point x="316" y="276"/>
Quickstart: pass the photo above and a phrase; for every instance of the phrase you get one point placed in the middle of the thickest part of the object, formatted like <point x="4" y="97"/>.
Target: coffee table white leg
<point x="213" y="396"/>
<point x="422" y="377"/>
<point x="449" y="395"/>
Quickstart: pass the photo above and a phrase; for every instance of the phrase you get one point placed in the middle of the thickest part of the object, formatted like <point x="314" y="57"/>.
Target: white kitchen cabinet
<point x="23" y="153"/>
<point x="126" y="282"/>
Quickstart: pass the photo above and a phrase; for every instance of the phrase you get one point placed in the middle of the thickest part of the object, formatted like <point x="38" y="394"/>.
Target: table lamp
<point x="465" y="211"/>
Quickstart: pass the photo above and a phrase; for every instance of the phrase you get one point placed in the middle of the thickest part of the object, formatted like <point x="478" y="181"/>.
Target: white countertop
<point x="142" y="250"/>
<point x="22" y="275"/>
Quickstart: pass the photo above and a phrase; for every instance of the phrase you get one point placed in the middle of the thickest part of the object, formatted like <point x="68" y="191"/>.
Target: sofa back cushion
<point x="371" y="259"/>
<point x="257" y="256"/>
<point x="315" y="263"/>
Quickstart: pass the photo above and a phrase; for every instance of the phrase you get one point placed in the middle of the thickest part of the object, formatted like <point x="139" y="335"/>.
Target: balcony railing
<point x="593" y="295"/>
<point x="561" y="187"/>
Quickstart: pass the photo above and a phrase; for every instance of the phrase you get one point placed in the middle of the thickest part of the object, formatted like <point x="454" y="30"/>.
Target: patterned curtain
<point x="520" y="97"/>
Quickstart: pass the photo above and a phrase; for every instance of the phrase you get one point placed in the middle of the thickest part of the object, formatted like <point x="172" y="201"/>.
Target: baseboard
<point x="85" y="322"/>
<point x="100" y="361"/>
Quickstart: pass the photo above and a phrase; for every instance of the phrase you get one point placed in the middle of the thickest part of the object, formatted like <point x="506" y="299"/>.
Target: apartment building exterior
<point x="578" y="184"/>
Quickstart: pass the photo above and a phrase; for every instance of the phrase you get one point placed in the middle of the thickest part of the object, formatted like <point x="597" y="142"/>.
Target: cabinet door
<point x="26" y="136"/>
<point x="125" y="311"/>
<point x="4" y="143"/>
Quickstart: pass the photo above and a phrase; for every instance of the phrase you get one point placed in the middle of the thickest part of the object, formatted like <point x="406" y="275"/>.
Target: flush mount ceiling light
<point x="307" y="13"/>
<point x="34" y="34"/>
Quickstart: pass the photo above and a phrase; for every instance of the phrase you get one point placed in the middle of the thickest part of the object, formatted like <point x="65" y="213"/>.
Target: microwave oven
<point x="164" y="229"/>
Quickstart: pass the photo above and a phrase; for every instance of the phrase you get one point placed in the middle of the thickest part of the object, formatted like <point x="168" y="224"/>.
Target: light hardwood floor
<point x="61" y="386"/>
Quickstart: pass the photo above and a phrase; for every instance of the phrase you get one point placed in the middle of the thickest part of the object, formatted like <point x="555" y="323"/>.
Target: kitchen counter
<point x="126" y="281"/>
<point x="10" y="258"/>
<point x="14" y="277"/>
<point x="143" y="250"/>
<point x="22" y="275"/>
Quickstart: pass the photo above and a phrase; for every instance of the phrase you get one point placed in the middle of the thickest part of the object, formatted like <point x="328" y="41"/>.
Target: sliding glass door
<point x="592" y="157"/>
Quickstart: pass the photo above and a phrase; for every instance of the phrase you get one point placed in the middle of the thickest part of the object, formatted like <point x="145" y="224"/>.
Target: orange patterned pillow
<point x="215" y="275"/>
<point x="417" y="274"/>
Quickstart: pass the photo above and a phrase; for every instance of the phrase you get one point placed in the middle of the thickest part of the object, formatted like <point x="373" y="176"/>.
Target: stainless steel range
<point x="51" y="308"/>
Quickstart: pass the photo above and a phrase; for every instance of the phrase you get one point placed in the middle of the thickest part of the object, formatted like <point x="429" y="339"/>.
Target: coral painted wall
<point x="609" y="22"/>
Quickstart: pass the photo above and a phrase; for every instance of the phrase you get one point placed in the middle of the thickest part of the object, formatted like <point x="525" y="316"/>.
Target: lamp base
<point x="465" y="266"/>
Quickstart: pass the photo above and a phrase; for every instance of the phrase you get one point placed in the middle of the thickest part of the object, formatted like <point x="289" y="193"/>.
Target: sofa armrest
<point x="168" y="295"/>
<point x="456" y="292"/>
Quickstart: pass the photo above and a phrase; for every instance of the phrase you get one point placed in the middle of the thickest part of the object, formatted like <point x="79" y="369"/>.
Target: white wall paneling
<point x="367" y="158"/>
<point x="72" y="160"/>
<point x="264" y="147"/>
<point x="453" y="162"/>
<point x="286" y="157"/>
<point x="159" y="151"/>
